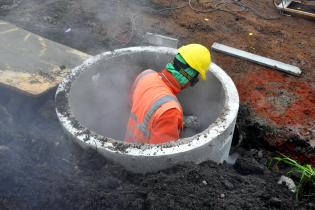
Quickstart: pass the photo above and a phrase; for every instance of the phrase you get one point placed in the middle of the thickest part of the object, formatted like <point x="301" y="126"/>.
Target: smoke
<point x="32" y="145"/>
<point x="99" y="97"/>
<point x="96" y="25"/>
<point x="37" y="161"/>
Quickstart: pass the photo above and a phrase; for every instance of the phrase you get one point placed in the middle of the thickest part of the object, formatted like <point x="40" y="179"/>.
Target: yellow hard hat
<point x="197" y="57"/>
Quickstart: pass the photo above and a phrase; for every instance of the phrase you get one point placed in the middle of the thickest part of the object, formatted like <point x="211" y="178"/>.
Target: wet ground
<point x="41" y="169"/>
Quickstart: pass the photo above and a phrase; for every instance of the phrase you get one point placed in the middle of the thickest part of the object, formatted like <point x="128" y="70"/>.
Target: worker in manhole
<point x="156" y="115"/>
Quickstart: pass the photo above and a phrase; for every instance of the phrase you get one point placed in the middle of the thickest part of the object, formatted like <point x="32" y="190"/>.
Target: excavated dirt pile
<point x="41" y="169"/>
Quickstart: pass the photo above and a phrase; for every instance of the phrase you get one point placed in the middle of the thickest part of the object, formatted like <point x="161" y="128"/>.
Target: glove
<point x="191" y="122"/>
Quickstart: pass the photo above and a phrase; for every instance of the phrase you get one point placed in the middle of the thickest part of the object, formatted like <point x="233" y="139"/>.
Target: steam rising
<point x="99" y="96"/>
<point x="96" y="25"/>
<point x="36" y="160"/>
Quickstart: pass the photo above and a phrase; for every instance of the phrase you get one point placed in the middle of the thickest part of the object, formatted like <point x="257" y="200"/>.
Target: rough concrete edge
<point x="226" y="118"/>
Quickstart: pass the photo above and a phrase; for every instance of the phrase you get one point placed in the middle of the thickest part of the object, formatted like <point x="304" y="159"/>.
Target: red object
<point x="156" y="116"/>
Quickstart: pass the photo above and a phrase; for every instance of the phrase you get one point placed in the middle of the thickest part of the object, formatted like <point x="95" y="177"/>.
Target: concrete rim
<point x="88" y="138"/>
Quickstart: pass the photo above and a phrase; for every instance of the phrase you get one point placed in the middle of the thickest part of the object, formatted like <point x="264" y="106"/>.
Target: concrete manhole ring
<point x="79" y="105"/>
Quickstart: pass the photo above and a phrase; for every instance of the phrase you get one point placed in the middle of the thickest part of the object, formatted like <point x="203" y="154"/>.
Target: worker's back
<point x="152" y="101"/>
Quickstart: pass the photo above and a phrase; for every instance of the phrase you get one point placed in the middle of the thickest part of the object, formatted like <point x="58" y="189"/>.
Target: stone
<point x="247" y="166"/>
<point x="288" y="182"/>
<point x="228" y="185"/>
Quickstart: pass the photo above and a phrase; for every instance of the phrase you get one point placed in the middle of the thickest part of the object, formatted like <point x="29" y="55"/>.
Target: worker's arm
<point x="167" y="127"/>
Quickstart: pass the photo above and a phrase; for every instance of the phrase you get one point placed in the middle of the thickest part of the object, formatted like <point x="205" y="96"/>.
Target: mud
<point x="259" y="133"/>
<point x="41" y="169"/>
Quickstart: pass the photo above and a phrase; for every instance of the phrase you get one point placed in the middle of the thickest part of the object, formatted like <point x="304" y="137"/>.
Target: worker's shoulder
<point x="168" y="115"/>
<point x="169" y="109"/>
<point x="145" y="75"/>
<point x="147" y="72"/>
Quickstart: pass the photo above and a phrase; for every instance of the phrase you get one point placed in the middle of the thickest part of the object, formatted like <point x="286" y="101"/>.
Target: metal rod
<point x="290" y="69"/>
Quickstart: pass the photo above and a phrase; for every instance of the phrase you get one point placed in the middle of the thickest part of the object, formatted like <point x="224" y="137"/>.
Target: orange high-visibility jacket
<point x="156" y="115"/>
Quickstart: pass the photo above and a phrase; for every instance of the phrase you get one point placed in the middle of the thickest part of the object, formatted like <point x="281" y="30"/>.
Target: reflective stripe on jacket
<point x="152" y="105"/>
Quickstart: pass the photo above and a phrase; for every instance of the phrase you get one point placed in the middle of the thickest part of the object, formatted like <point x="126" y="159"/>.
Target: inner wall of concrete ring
<point x="98" y="99"/>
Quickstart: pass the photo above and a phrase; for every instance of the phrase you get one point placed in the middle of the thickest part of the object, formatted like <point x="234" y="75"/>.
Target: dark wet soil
<point x="41" y="169"/>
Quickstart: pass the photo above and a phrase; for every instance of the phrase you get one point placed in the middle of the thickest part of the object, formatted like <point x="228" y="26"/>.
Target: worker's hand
<point x="191" y="122"/>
